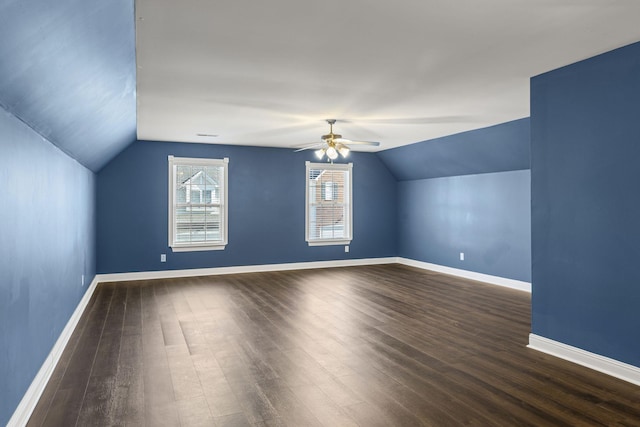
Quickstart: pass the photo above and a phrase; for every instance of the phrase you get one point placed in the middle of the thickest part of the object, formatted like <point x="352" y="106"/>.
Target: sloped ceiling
<point x="67" y="69"/>
<point x="503" y="147"/>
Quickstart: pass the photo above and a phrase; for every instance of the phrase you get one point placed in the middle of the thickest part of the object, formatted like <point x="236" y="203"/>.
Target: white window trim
<point x="190" y="247"/>
<point x="332" y="166"/>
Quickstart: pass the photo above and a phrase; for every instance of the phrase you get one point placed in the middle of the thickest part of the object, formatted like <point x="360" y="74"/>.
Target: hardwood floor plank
<point x="195" y="412"/>
<point x="129" y="385"/>
<point x="235" y="420"/>
<point x="97" y="401"/>
<point x="322" y="407"/>
<point x="381" y="398"/>
<point x="255" y="404"/>
<point x="368" y="415"/>
<point x="384" y="345"/>
<point x="290" y="410"/>
<point x="338" y="392"/>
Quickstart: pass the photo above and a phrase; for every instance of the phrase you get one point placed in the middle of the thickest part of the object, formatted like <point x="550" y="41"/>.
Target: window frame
<point x="224" y="202"/>
<point x="346" y="167"/>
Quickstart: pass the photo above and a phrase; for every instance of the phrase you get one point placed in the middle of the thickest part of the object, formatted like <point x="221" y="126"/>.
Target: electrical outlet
<point x="461" y="256"/>
<point x="163" y="257"/>
<point x="346" y="248"/>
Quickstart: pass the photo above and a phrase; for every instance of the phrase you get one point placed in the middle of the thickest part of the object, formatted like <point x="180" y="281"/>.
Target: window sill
<point x="195" y="248"/>
<point x="328" y="242"/>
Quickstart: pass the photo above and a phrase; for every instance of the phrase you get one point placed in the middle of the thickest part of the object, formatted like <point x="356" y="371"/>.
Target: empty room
<point x="237" y="213"/>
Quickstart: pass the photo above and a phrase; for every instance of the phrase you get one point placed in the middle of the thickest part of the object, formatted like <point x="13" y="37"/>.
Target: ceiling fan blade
<point x="335" y="141"/>
<point x="307" y="146"/>
<point x="411" y="120"/>
<point x="350" y="142"/>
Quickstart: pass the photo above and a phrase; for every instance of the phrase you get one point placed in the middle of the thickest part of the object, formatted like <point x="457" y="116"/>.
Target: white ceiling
<point x="267" y="73"/>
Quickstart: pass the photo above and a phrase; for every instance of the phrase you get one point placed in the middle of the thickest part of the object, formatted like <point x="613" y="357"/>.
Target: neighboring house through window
<point x="329" y="190"/>
<point x="197" y="203"/>
<point x="328" y="204"/>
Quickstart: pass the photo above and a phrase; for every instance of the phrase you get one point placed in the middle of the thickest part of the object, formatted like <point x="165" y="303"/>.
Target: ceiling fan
<point x="333" y="144"/>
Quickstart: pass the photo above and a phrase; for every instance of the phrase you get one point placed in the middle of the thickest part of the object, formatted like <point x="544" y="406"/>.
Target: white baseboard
<point x="585" y="358"/>
<point x="494" y="280"/>
<point x="28" y="403"/>
<point x="167" y="274"/>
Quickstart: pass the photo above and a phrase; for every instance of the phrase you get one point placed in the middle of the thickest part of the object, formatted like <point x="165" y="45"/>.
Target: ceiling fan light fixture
<point x="343" y="150"/>
<point x="333" y="145"/>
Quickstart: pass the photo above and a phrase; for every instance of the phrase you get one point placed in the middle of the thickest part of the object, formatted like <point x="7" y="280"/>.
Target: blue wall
<point x="266" y="209"/>
<point x="585" y="128"/>
<point x="485" y="216"/>
<point x="499" y="148"/>
<point x="47" y="241"/>
<point x="468" y="192"/>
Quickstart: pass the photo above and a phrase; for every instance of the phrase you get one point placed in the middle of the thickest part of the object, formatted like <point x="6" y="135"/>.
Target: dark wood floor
<point x="363" y="346"/>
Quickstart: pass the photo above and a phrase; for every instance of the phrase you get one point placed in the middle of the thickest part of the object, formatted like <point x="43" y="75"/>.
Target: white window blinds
<point x="197" y="203"/>
<point x="328" y="203"/>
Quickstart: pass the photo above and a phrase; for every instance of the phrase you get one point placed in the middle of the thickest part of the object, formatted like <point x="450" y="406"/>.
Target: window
<point x="328" y="204"/>
<point x="197" y="204"/>
<point x="329" y="190"/>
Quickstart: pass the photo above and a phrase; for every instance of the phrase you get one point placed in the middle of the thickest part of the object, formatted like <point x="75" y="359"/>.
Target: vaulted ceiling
<point x="91" y="76"/>
<point x="67" y="69"/>
<point x="397" y="72"/>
